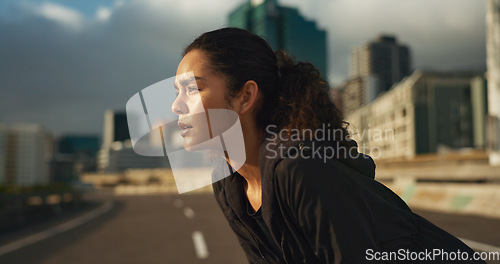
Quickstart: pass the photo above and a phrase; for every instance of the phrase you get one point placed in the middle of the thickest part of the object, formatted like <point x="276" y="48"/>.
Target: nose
<point x="179" y="107"/>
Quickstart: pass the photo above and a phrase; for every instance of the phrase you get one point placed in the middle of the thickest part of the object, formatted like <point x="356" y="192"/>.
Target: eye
<point x="192" y="89"/>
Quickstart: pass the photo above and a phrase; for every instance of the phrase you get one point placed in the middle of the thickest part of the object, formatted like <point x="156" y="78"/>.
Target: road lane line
<point x="480" y="246"/>
<point x="200" y="246"/>
<point x="20" y="243"/>
<point x="188" y="212"/>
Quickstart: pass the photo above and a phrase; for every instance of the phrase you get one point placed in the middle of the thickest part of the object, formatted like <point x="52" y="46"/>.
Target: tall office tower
<point x="493" y="75"/>
<point x="284" y="29"/>
<point x="26" y="150"/>
<point x="374" y="68"/>
<point x="383" y="58"/>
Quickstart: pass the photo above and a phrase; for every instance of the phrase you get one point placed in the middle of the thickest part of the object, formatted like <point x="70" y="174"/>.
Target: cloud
<point x="52" y="11"/>
<point x="103" y="13"/>
<point x="66" y="79"/>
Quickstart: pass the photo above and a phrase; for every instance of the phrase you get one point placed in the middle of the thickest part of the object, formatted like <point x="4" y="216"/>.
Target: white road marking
<point x="55" y="230"/>
<point x="178" y="203"/>
<point x="188" y="212"/>
<point x="200" y="246"/>
<point x="480" y="246"/>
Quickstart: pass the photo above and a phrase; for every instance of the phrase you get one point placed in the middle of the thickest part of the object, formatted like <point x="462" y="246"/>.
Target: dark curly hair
<point x="294" y="93"/>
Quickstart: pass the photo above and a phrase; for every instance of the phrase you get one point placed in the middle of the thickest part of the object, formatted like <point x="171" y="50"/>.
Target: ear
<point x="247" y="97"/>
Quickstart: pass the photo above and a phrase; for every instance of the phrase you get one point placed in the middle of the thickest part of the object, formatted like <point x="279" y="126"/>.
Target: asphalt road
<point x="174" y="228"/>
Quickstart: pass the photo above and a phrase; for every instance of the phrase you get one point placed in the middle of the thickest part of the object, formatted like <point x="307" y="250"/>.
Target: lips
<point x="185" y="128"/>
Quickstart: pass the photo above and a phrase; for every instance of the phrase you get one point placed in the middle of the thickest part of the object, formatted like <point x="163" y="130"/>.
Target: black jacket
<point x="325" y="210"/>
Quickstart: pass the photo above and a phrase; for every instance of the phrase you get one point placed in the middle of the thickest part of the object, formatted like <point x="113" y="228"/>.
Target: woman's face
<point x="198" y="89"/>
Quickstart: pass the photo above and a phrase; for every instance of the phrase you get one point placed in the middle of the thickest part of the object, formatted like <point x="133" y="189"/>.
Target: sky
<point x="63" y="63"/>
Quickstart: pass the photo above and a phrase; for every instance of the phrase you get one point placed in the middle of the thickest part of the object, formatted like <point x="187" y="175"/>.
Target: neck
<point x="250" y="170"/>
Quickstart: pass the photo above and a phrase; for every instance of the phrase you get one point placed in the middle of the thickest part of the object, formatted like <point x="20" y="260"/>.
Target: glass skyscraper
<point x="284" y="29"/>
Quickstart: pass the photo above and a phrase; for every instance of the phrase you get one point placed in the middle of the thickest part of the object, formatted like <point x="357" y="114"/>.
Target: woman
<point x="299" y="197"/>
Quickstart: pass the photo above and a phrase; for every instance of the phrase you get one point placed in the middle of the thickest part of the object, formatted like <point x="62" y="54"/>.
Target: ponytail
<point x="303" y="100"/>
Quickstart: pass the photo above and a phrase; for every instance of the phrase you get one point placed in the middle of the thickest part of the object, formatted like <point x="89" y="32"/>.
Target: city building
<point x="493" y="76"/>
<point x="75" y="154"/>
<point x="336" y="97"/>
<point x="284" y="28"/>
<point x="120" y="156"/>
<point x="374" y="68"/>
<point x="423" y="113"/>
<point x="80" y="145"/>
<point x="25" y="154"/>
<point x="384" y="58"/>
<point x="358" y="91"/>
<point x="116" y="153"/>
<point x="115" y="127"/>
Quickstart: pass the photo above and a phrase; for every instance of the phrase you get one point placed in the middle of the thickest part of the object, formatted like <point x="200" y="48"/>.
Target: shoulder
<point x="300" y="180"/>
<point x="316" y="159"/>
<point x="303" y="165"/>
<point x="315" y="172"/>
<point x="303" y="173"/>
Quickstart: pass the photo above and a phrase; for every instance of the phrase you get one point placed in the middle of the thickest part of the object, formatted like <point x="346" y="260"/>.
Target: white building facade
<point x="25" y="154"/>
<point x="423" y="113"/>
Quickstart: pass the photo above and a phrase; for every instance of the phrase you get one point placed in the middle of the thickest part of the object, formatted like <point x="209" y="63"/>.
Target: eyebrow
<point x="186" y="81"/>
